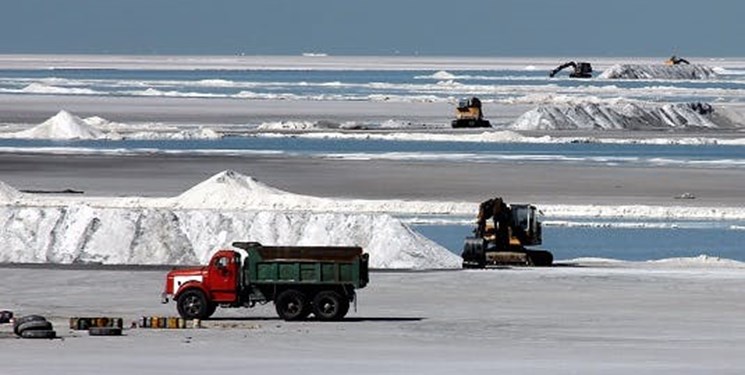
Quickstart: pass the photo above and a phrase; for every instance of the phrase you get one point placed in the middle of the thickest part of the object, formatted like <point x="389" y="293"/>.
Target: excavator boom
<point x="580" y="69"/>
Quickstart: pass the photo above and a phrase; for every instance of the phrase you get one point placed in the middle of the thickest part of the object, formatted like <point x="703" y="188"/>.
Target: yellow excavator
<point x="675" y="60"/>
<point x="469" y="114"/>
<point x="502" y="233"/>
<point x="579" y="69"/>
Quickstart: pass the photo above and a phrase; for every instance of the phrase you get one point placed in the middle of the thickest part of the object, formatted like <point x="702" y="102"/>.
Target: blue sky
<point x="375" y="27"/>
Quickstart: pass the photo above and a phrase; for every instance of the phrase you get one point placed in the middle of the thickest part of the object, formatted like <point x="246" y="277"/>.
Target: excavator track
<point x="476" y="256"/>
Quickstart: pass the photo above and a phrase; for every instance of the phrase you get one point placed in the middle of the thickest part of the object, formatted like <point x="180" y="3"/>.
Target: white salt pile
<point x="624" y="115"/>
<point x="61" y="126"/>
<point x="67" y="126"/>
<point x="230" y="190"/>
<point x="225" y="208"/>
<point x="308" y="125"/>
<point x="637" y="71"/>
<point x="82" y="234"/>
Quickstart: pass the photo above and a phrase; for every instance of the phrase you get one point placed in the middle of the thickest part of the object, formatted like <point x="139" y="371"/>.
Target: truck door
<point x="223" y="275"/>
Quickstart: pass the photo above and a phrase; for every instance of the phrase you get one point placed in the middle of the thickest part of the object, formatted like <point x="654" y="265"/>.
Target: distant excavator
<point x="469" y="114"/>
<point x="501" y="241"/>
<point x="581" y="69"/>
<point x="675" y="60"/>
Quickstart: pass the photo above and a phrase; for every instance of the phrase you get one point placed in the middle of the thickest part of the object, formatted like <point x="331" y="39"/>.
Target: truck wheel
<point x="291" y="305"/>
<point x="329" y="305"/>
<point x="211" y="310"/>
<point x="192" y="304"/>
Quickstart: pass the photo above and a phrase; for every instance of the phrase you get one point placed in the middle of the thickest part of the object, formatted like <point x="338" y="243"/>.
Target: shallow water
<point x="631" y="244"/>
<point x="406" y="85"/>
<point x="709" y="156"/>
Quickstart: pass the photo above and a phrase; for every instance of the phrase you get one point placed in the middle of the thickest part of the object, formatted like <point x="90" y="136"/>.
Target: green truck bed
<point x="304" y="265"/>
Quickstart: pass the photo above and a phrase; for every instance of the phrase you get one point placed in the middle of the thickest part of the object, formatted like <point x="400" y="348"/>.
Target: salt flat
<point x="614" y="319"/>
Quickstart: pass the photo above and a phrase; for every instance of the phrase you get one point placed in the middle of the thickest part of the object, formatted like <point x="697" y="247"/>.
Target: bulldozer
<point x="501" y="235"/>
<point x="469" y="114"/>
<point x="581" y="69"/>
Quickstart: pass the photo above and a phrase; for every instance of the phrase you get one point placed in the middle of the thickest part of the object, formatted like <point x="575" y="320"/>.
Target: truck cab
<point x="299" y="280"/>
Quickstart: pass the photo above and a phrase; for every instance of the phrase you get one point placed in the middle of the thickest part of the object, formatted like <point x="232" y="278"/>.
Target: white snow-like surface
<point x="40" y="88"/>
<point x="642" y="211"/>
<point x="620" y="116"/>
<point x="229" y="190"/>
<point x="229" y="207"/>
<point x="7" y="193"/>
<point x="225" y="208"/>
<point x="63" y="125"/>
<point x="307" y="125"/>
<point x="232" y="190"/>
<point x="443" y="75"/>
<point x="83" y="234"/>
<point x="511" y="136"/>
<point x="67" y="126"/>
<point x="702" y="260"/>
<point x="660" y="71"/>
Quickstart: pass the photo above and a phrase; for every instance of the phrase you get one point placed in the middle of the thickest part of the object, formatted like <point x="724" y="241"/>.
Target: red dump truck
<point x="299" y="280"/>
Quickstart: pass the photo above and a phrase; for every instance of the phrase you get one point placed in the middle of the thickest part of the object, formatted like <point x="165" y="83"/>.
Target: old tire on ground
<point x="292" y="305"/>
<point x="193" y="304"/>
<point x="34" y="325"/>
<point x="24" y="319"/>
<point x="39" y="334"/>
<point x="104" y="331"/>
<point x="330" y="305"/>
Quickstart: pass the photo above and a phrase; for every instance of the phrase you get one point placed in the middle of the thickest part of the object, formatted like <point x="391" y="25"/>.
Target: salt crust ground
<point x="566" y="114"/>
<point x="617" y="319"/>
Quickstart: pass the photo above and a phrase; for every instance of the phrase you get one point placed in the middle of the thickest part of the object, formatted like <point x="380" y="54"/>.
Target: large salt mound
<point x="637" y="71"/>
<point x="623" y="115"/>
<point x="230" y="190"/>
<point x="83" y="234"/>
<point x="7" y="193"/>
<point x="224" y="208"/>
<point x="63" y="125"/>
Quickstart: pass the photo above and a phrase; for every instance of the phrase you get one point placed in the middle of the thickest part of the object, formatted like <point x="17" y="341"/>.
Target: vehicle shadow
<point x="353" y="319"/>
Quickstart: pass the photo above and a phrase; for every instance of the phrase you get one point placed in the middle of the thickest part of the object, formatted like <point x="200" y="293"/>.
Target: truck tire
<point x="193" y="304"/>
<point x="329" y="305"/>
<point x="39" y="334"/>
<point x="24" y="319"/>
<point x="34" y="325"/>
<point x="211" y="310"/>
<point x="292" y="305"/>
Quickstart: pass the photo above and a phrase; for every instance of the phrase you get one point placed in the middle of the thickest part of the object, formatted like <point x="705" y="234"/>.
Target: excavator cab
<point x="502" y="233"/>
<point x="468" y="114"/>
<point x="580" y="69"/>
<point x="525" y="220"/>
